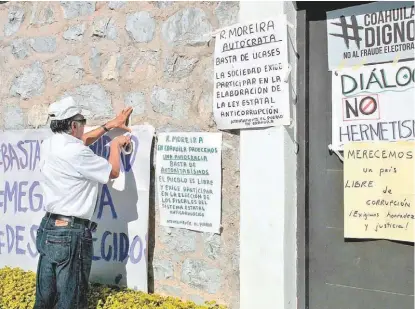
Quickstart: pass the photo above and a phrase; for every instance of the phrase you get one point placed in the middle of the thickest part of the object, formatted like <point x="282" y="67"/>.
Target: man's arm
<point x="115" y="155"/>
<point x="92" y="136"/>
<point x="114" y="160"/>
<point x="118" y="122"/>
<point x="94" y="167"/>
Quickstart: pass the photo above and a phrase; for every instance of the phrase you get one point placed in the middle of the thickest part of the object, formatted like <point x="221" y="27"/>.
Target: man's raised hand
<point x="120" y="120"/>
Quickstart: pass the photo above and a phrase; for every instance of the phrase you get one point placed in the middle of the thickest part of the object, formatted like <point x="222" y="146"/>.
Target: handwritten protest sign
<point x="374" y="103"/>
<point x="120" y="242"/>
<point x="188" y="176"/>
<point x="379" y="190"/>
<point x="371" y="33"/>
<point x="251" y="62"/>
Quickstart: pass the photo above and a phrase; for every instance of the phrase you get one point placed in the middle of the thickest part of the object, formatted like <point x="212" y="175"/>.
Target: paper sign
<point x="379" y="190"/>
<point x="371" y="33"/>
<point x="251" y="63"/>
<point x="120" y="242"/>
<point x="188" y="174"/>
<point x="374" y="103"/>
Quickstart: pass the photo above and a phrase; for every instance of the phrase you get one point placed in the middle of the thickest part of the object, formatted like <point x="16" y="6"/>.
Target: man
<point x="72" y="174"/>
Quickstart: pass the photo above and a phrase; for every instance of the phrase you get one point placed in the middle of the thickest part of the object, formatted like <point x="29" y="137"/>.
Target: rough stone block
<point x="150" y="56"/>
<point x="95" y="61"/>
<point x="13" y="117"/>
<point x="176" y="66"/>
<point x="140" y="27"/>
<point x="104" y="27"/>
<point x="15" y="19"/>
<point x="37" y="116"/>
<point x="146" y="57"/>
<point x="99" y="26"/>
<point x="163" y="269"/>
<point x="111" y="33"/>
<point x="137" y="100"/>
<point x="212" y="245"/>
<point x="205" y="107"/>
<point x="171" y="102"/>
<point x="111" y="70"/>
<point x="171" y="290"/>
<point x="72" y="9"/>
<point x="120" y="61"/>
<point x="198" y="274"/>
<point x="46" y="44"/>
<point x="178" y="240"/>
<point x="206" y="103"/>
<point x="42" y="14"/>
<point x="75" y="33"/>
<point x="20" y="49"/>
<point x="227" y="13"/>
<point x="30" y="83"/>
<point x="93" y="98"/>
<point x="67" y="69"/>
<point x="187" y="27"/>
<point x="114" y="5"/>
<point x="162" y="4"/>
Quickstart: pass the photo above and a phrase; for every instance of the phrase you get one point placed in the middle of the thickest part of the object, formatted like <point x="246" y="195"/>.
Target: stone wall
<point x="156" y="57"/>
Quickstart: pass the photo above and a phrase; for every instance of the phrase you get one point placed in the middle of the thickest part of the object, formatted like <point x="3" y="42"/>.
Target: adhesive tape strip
<point x="127" y="149"/>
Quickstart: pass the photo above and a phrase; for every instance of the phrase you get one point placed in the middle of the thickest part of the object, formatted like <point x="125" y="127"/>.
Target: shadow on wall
<point x="113" y="244"/>
<point x="151" y="242"/>
<point x="126" y="227"/>
<point x="125" y="213"/>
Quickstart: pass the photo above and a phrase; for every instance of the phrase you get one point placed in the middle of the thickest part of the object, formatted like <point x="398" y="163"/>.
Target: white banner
<point x="251" y="62"/>
<point x="188" y="177"/>
<point x="374" y="103"/>
<point x="370" y="33"/>
<point x="120" y="242"/>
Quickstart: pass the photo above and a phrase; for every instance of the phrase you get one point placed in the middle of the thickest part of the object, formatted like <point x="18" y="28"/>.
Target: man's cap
<point x="64" y="109"/>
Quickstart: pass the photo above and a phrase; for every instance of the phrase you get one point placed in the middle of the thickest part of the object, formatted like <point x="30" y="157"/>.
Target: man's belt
<point x="88" y="223"/>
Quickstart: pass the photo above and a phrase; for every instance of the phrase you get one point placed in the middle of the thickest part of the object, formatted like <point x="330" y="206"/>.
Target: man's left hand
<point x="120" y="120"/>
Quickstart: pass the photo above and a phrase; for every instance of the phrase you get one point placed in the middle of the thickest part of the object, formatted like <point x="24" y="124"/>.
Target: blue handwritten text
<point x="21" y="156"/>
<point x="21" y="196"/>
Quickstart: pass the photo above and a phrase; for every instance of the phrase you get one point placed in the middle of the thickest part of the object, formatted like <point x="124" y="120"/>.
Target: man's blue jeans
<point x="64" y="265"/>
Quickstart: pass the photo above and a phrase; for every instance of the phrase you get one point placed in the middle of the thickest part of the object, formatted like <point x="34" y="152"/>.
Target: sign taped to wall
<point x="373" y="103"/>
<point x="188" y="177"/>
<point x="120" y="241"/>
<point x="251" y="62"/>
<point x="371" y="33"/>
<point x="379" y="190"/>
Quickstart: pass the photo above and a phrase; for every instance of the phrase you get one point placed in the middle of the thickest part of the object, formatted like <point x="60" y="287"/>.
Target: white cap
<point x="64" y="109"/>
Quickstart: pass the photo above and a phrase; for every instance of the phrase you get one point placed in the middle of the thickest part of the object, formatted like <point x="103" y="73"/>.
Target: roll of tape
<point x="128" y="149"/>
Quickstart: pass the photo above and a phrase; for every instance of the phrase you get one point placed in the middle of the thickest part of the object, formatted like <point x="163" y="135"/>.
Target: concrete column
<point x="268" y="197"/>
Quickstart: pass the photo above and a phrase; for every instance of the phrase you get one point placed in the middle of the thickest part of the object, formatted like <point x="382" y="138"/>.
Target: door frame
<point x="306" y="12"/>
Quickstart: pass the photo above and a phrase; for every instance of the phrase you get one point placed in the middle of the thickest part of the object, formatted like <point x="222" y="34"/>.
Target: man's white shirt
<point x="71" y="176"/>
